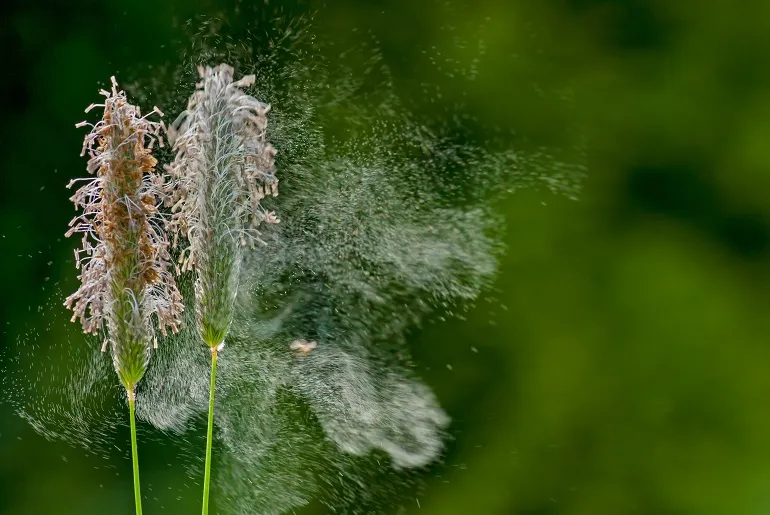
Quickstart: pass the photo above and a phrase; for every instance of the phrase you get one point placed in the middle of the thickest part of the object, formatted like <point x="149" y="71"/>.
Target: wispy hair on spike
<point x="126" y="278"/>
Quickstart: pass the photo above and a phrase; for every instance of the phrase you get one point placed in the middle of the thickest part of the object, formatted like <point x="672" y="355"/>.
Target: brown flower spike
<point x="124" y="260"/>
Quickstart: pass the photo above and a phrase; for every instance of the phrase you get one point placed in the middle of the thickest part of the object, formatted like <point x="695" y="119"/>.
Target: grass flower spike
<point x="222" y="170"/>
<point x="127" y="284"/>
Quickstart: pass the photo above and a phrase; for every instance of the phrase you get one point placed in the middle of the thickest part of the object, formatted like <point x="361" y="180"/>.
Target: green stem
<point x="209" y="433"/>
<point x="134" y="456"/>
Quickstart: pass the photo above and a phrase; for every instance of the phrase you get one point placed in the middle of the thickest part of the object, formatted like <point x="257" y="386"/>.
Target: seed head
<point x="124" y="260"/>
<point x="223" y="168"/>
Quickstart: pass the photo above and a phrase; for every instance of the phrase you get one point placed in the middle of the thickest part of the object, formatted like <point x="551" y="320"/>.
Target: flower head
<point x="124" y="261"/>
<point x="222" y="170"/>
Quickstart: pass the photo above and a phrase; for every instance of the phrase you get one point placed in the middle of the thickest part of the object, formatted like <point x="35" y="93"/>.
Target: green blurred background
<point x="622" y="363"/>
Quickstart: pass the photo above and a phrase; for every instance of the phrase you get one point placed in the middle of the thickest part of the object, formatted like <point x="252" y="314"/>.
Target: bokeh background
<point x="619" y="364"/>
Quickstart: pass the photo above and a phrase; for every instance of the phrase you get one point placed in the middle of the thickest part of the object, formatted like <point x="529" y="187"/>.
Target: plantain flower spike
<point x="126" y="277"/>
<point x="222" y="170"/>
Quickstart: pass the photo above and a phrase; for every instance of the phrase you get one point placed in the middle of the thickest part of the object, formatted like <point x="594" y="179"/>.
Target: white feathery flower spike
<point x="223" y="168"/>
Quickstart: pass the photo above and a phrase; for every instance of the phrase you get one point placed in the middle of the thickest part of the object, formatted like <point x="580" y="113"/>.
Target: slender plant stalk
<point x="134" y="454"/>
<point x="209" y="433"/>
